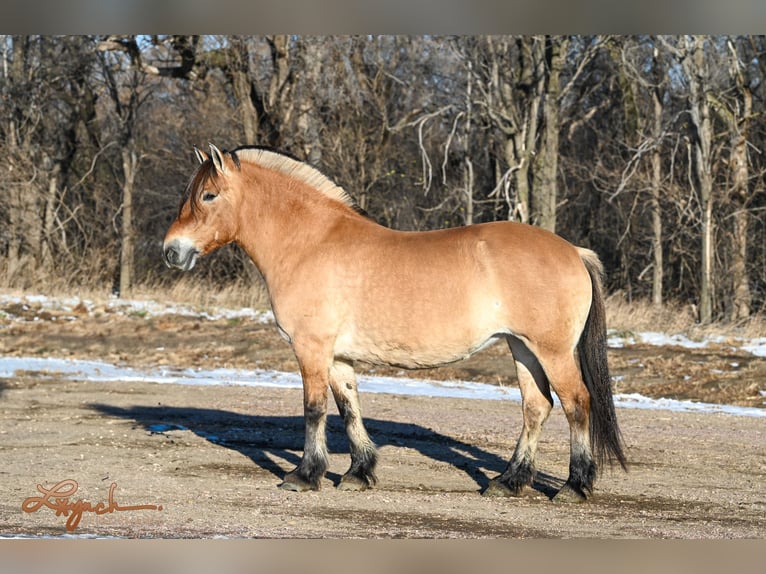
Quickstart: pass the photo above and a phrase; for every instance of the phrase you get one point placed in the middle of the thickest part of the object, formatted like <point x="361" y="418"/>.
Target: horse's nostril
<point x="171" y="256"/>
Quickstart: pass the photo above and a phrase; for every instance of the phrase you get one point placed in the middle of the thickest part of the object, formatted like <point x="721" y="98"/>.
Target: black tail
<point x="605" y="436"/>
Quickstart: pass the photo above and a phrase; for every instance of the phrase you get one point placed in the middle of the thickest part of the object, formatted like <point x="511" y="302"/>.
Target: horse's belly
<point x="412" y="354"/>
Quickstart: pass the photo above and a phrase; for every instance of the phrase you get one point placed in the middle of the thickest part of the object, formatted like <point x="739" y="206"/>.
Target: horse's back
<point x="468" y="265"/>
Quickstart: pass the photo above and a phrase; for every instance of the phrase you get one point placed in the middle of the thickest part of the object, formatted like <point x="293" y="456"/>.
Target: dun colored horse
<point x="345" y="289"/>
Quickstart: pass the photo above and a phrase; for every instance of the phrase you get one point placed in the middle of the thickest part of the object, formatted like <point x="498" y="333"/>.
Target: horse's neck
<point x="284" y="224"/>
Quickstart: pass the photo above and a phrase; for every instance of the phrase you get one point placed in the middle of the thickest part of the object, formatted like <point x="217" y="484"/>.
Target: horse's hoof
<point x="353" y="483"/>
<point x="294" y="483"/>
<point x="567" y="494"/>
<point x="499" y="489"/>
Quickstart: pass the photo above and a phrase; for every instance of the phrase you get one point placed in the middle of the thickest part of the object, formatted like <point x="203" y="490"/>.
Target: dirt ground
<point x="212" y="457"/>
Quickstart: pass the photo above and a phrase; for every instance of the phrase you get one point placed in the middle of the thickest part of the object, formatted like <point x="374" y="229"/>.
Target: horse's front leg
<point x="361" y="474"/>
<point x="309" y="473"/>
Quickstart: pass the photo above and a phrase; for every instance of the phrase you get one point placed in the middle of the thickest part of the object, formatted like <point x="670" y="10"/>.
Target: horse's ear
<point x="217" y="156"/>
<point x="201" y="155"/>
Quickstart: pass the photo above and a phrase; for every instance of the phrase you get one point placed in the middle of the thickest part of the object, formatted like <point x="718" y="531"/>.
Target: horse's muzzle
<point x="179" y="255"/>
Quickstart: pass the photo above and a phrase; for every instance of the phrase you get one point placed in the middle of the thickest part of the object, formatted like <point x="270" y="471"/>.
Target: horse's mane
<point x="293" y="167"/>
<point x="270" y="159"/>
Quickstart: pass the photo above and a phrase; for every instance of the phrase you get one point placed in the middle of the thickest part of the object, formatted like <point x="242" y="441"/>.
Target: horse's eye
<point x="207" y="196"/>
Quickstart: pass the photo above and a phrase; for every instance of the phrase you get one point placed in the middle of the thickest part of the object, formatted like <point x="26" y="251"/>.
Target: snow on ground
<point x="755" y="346"/>
<point x="114" y="374"/>
<point x="135" y="307"/>
<point x="109" y="373"/>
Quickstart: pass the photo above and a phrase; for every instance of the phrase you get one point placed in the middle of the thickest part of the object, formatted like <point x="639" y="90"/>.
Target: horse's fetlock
<point x="582" y="475"/>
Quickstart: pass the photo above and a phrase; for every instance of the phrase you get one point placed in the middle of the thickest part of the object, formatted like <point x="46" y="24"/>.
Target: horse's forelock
<point x="197" y="183"/>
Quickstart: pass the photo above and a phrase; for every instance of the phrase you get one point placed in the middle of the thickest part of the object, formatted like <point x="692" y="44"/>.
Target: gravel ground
<point x="212" y="457"/>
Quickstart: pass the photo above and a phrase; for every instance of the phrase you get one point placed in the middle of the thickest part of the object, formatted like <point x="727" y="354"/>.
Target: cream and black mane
<point x="270" y="159"/>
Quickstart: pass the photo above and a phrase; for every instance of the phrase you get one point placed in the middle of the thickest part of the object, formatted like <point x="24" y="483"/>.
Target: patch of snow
<point x="755" y="346"/>
<point x="137" y="307"/>
<point x="637" y="401"/>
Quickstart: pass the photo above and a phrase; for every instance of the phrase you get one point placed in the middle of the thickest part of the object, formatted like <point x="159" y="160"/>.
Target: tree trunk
<point x="468" y="168"/>
<point x="739" y="274"/>
<point x="544" y="192"/>
<point x="654" y="200"/>
<point x="46" y="252"/>
<point x="468" y="175"/>
<point x="24" y="240"/>
<point x="280" y="100"/>
<point x="698" y="78"/>
<point x="129" y="168"/>
<point x="308" y="120"/>
<point x="241" y="83"/>
<point x="515" y="155"/>
<point x="706" y="282"/>
<point x="739" y="165"/>
<point x="740" y="277"/>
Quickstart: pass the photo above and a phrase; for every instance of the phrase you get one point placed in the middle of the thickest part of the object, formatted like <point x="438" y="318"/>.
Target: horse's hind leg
<point x="361" y="474"/>
<point x="566" y="380"/>
<point x="536" y="406"/>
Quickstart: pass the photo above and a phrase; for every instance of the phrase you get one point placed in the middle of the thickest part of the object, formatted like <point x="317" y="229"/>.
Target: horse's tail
<point x="605" y="436"/>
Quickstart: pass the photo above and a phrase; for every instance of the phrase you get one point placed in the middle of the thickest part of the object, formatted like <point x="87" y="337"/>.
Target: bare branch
<point x="93" y="163"/>
<point x="447" y="146"/>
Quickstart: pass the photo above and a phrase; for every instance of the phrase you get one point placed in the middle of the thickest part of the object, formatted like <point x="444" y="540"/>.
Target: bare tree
<point x="658" y="98"/>
<point x="523" y="88"/>
<point x="125" y="73"/>
<point x="43" y="103"/>
<point x="736" y="110"/>
<point x="642" y="62"/>
<point x="314" y="53"/>
<point x="696" y="67"/>
<point x="368" y="113"/>
<point x="23" y="241"/>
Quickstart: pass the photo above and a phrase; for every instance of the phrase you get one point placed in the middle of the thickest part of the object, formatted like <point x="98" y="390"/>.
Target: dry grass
<point x="674" y="318"/>
<point x="642" y="316"/>
<point x="192" y="291"/>
<point x="189" y="291"/>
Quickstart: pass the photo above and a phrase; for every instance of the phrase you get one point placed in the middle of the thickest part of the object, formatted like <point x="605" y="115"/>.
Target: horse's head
<point x="207" y="218"/>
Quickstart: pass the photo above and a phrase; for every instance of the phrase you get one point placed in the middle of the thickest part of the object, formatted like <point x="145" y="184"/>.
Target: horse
<point x="345" y="289"/>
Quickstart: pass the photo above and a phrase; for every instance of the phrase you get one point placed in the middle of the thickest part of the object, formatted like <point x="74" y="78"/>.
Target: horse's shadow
<point x="263" y="438"/>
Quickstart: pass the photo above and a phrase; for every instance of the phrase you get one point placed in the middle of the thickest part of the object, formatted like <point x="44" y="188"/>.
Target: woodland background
<point x="647" y="149"/>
